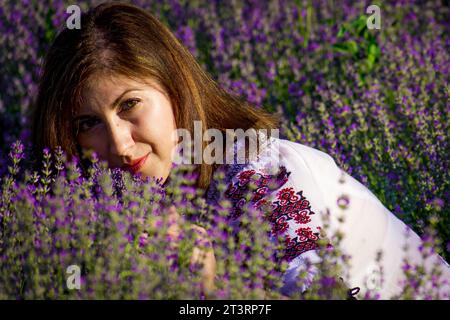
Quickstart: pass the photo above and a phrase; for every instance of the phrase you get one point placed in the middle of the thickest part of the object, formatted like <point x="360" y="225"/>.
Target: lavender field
<point x="376" y="100"/>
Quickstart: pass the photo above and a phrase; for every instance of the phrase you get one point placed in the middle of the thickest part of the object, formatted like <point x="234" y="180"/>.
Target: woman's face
<point x="129" y="124"/>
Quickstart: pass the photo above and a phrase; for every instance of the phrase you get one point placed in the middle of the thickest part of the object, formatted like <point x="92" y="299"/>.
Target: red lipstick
<point x="135" y="165"/>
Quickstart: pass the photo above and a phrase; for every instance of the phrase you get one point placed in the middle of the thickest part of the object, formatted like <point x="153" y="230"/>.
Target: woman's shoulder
<point x="280" y="161"/>
<point x="298" y="159"/>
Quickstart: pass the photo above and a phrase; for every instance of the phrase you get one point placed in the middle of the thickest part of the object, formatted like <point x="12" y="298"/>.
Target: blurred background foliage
<point x="375" y="100"/>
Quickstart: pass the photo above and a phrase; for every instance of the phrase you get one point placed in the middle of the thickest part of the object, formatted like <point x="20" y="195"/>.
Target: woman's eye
<point x="129" y="104"/>
<point x="86" y="124"/>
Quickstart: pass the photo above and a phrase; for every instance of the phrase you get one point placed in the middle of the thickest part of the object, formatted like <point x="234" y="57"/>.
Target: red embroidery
<point x="261" y="203"/>
<point x="305" y="234"/>
<point x="287" y="195"/>
<point x="280" y="226"/>
<point x="288" y="208"/>
<point x="301" y="217"/>
<point x="245" y="176"/>
<point x="294" y="248"/>
<point x="237" y="191"/>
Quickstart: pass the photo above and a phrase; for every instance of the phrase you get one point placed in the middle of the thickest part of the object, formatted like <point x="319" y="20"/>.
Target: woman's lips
<point x="136" y="164"/>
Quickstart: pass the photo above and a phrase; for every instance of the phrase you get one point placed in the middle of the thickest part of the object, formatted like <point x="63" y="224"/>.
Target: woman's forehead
<point x="115" y="79"/>
<point x="109" y="84"/>
<point x="109" y="87"/>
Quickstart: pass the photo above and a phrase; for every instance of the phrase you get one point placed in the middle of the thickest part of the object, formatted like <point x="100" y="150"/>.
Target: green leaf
<point x="360" y="24"/>
<point x="126" y="273"/>
<point x="346" y="47"/>
<point x="342" y="31"/>
<point x="374" y="50"/>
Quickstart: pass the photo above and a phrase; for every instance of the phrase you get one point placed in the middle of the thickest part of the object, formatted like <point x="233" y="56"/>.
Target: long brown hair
<point x="122" y="39"/>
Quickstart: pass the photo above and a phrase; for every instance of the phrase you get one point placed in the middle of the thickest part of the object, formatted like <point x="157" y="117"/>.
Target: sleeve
<point x="292" y="216"/>
<point x="370" y="228"/>
<point x="310" y="186"/>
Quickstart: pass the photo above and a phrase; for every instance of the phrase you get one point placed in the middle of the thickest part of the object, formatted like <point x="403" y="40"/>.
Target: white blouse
<point x="312" y="185"/>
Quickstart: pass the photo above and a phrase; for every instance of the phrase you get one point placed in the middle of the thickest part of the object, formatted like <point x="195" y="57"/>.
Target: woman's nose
<point x="120" y="139"/>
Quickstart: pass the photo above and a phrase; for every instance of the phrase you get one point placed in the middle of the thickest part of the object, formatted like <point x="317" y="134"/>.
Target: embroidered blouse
<point x="309" y="185"/>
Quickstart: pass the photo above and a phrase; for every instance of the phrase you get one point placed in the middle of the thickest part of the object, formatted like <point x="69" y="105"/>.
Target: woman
<point x="123" y="84"/>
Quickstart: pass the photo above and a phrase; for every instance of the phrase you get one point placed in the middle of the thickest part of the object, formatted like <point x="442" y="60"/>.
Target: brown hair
<point x="122" y="39"/>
